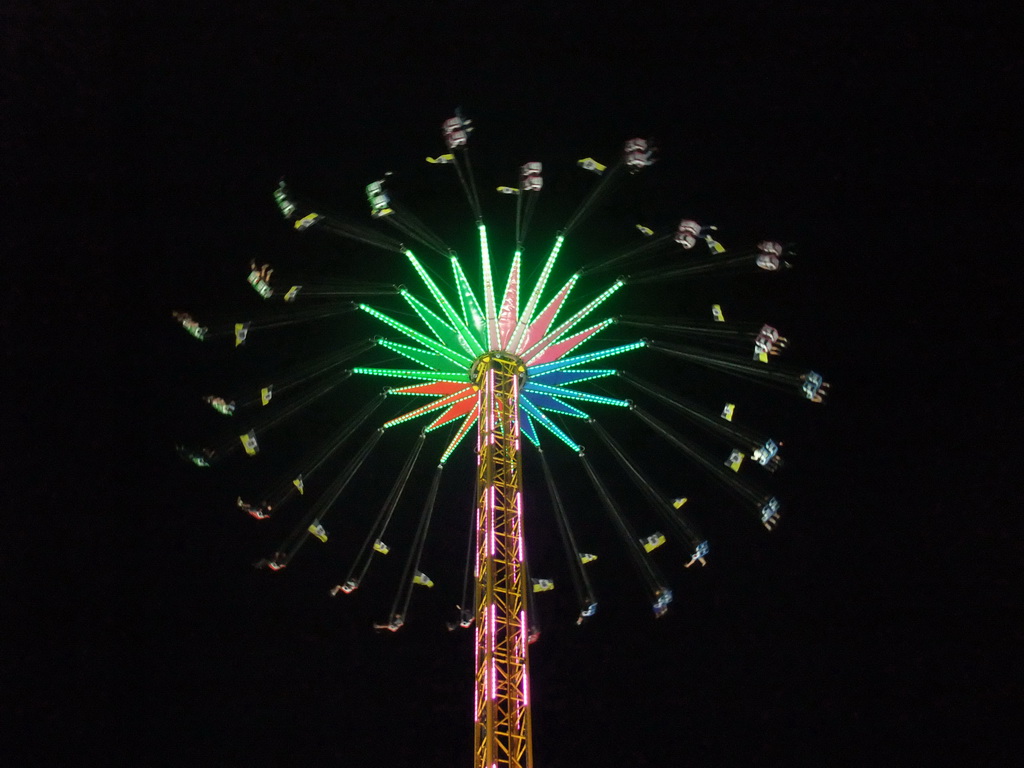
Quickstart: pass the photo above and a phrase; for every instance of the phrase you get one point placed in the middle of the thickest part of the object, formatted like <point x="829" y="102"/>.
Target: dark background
<point x="876" y="624"/>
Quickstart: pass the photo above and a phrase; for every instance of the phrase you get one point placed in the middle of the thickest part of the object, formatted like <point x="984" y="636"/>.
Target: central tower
<point x="503" y="732"/>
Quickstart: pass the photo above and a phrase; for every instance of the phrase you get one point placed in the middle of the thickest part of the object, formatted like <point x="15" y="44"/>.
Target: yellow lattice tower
<point x="503" y="732"/>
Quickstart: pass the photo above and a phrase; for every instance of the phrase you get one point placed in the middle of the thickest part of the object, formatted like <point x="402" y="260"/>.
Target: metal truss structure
<point x="503" y="732"/>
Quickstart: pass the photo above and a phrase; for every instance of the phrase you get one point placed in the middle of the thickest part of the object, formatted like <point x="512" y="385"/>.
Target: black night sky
<point x="875" y="625"/>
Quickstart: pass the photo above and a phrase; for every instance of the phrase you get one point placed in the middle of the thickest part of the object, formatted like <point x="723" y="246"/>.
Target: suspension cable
<point x="709" y="422"/>
<point x="747" y="494"/>
<point x="580" y="581"/>
<point x="672" y="517"/>
<point x="787" y="380"/>
<point x="380" y="524"/>
<point x="400" y="606"/>
<point x="661" y="595"/>
<point x="608" y="180"/>
<point x="648" y="248"/>
<point x="303" y="470"/>
<point x="318" y="511"/>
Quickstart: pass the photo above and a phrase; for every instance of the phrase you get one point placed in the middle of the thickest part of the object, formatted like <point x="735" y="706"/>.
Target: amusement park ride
<point x="512" y="370"/>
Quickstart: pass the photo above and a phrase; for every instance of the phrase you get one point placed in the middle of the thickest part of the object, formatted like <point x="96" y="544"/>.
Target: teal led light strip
<point x="581" y="359"/>
<point x="548" y="424"/>
<point x="573" y="394"/>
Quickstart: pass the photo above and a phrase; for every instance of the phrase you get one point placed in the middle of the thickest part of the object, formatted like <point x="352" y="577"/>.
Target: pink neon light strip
<point x="494" y="664"/>
<point x="519" y="521"/>
<point x="477" y="573"/>
<point x="515" y="415"/>
<point x="476" y="656"/>
<point x="523" y="640"/>
<point x="490" y="518"/>
<point x="490" y="408"/>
